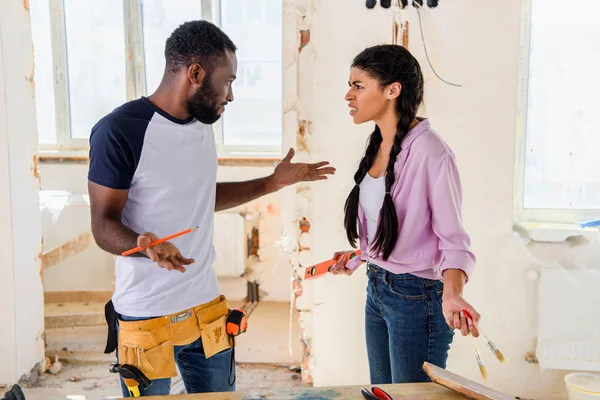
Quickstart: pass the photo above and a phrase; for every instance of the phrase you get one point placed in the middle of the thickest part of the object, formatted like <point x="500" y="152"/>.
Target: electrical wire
<point x="426" y="52"/>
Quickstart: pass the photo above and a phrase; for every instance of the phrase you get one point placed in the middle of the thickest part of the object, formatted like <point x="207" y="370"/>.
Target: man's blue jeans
<point x="199" y="374"/>
<point x="404" y="326"/>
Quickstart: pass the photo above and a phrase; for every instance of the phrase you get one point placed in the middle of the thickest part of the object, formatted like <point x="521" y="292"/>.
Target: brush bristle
<point x="483" y="372"/>
<point x="499" y="356"/>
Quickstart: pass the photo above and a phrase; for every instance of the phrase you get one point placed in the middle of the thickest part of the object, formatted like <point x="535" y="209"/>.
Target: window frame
<point x="522" y="214"/>
<point x="135" y="80"/>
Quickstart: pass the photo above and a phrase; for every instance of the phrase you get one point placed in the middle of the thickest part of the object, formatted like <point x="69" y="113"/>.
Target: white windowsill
<point x="62" y="153"/>
<point x="551" y="232"/>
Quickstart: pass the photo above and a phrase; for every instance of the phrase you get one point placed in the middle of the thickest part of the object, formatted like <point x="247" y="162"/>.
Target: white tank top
<point x="372" y="192"/>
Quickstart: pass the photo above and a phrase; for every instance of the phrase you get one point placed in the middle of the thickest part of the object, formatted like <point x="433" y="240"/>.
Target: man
<point x="152" y="173"/>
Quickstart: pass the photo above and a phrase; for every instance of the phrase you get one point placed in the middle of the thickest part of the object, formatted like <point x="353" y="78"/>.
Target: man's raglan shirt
<point x="169" y="167"/>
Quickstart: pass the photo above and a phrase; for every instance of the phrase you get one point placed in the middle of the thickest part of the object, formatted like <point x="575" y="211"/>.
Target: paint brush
<point x="482" y="368"/>
<point x="493" y="348"/>
<point x="159" y="241"/>
<point x="490" y="344"/>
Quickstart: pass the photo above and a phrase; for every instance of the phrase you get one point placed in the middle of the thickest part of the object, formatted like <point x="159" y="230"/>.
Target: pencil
<point x="159" y="241"/>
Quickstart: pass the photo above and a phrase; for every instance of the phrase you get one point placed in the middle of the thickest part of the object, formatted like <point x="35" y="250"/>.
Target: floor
<point x="94" y="382"/>
<point x="267" y="355"/>
<point x="273" y="336"/>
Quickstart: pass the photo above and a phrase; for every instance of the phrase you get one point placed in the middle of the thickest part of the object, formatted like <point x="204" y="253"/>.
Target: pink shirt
<point x="428" y="198"/>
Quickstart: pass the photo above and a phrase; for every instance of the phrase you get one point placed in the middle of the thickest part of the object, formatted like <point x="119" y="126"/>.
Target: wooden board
<point x="66" y="250"/>
<point x="413" y="391"/>
<point x="462" y="385"/>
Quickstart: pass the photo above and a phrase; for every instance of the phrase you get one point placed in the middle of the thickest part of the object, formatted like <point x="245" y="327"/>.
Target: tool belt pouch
<point x="212" y="319"/>
<point x="147" y="351"/>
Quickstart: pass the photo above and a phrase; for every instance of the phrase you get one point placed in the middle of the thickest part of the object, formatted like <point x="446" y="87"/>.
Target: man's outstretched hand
<point x="288" y="173"/>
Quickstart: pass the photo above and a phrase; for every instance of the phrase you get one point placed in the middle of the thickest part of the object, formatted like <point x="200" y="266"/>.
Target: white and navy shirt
<point x="169" y="167"/>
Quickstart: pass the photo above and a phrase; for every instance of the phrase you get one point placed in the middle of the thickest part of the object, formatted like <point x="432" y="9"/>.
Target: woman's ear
<point x="393" y="90"/>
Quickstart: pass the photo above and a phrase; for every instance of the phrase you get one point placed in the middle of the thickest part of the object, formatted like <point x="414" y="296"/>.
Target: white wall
<point x="21" y="296"/>
<point x="474" y="44"/>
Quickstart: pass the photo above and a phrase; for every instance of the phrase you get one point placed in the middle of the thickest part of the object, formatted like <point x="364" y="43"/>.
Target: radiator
<point x="569" y="319"/>
<point x="230" y="244"/>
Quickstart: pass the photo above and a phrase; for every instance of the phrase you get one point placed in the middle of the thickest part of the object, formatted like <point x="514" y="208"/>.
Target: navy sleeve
<point x="115" y="147"/>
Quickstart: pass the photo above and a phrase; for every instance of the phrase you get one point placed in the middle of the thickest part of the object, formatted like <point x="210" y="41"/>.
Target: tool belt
<point x="148" y="344"/>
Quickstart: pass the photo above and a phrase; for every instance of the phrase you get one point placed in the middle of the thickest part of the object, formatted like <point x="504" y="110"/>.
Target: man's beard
<point x="201" y="105"/>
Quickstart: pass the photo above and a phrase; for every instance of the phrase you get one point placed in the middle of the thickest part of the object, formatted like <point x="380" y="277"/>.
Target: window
<point x="253" y="121"/>
<point x="559" y="123"/>
<point x="96" y="67"/>
<point x="91" y="57"/>
<point x="159" y="19"/>
<point x="79" y="54"/>
<point x="44" y="80"/>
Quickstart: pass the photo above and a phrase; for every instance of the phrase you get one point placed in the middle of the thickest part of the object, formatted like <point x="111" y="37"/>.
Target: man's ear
<point x="196" y="74"/>
<point x="393" y="90"/>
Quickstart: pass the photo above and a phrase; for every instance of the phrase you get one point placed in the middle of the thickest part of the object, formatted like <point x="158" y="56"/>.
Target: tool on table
<point x="132" y="377"/>
<point x="15" y="393"/>
<point x="490" y="344"/>
<point x="237" y="323"/>
<point x="324" y="267"/>
<point x="159" y="241"/>
<point x="375" y="393"/>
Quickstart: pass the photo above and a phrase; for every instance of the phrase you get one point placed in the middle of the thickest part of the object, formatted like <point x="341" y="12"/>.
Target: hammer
<point x="133" y="378"/>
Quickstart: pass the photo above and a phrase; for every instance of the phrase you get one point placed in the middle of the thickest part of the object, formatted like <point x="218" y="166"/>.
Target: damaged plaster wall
<point x="478" y="121"/>
<point x="21" y="296"/>
<point x="298" y="55"/>
<point x="338" y="34"/>
<point x="267" y="264"/>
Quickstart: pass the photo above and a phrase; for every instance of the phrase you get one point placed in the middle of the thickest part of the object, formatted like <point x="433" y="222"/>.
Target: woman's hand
<point x="452" y="307"/>
<point x="340" y="267"/>
<point x="453" y="304"/>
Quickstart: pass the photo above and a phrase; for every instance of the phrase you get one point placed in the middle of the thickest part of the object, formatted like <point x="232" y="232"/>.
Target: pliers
<point x="375" y="394"/>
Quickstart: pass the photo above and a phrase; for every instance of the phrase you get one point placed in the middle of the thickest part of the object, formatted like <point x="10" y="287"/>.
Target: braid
<point x="387" y="229"/>
<point x="351" y="206"/>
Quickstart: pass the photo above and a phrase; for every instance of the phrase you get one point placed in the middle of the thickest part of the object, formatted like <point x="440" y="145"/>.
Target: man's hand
<point x="339" y="268"/>
<point x="165" y="254"/>
<point x="288" y="173"/>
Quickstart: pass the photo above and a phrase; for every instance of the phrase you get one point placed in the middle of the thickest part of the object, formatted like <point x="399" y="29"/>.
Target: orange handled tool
<point x="237" y="322"/>
<point x="159" y="241"/>
<point x="324" y="267"/>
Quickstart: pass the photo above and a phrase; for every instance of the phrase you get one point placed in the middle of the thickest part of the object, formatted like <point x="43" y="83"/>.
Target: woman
<point x="405" y="209"/>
